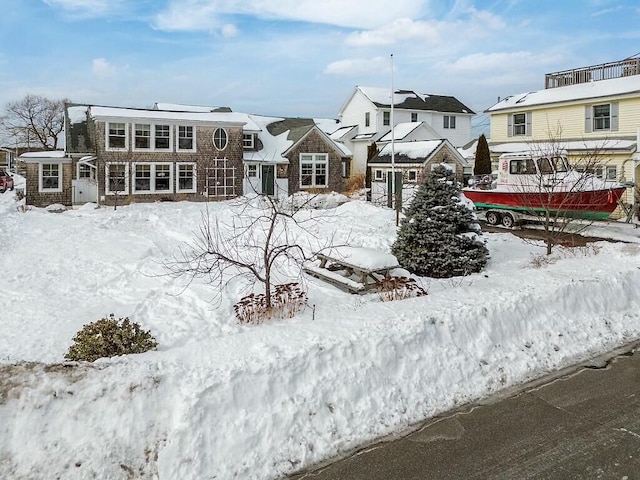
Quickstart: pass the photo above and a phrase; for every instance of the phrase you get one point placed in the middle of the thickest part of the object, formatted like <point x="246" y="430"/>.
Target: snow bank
<point x="222" y="400"/>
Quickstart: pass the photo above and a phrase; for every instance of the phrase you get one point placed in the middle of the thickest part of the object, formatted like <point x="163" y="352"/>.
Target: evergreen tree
<point x="482" y="164"/>
<point x="439" y="236"/>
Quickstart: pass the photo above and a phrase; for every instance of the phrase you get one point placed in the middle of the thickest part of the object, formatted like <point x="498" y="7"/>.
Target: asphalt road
<point x="583" y="425"/>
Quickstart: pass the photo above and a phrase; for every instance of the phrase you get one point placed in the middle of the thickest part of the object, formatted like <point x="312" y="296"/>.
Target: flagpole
<point x="393" y="151"/>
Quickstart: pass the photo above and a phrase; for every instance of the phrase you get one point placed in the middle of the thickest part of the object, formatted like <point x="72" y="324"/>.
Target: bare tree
<point x="34" y="120"/>
<point x="262" y="237"/>
<point x="563" y="199"/>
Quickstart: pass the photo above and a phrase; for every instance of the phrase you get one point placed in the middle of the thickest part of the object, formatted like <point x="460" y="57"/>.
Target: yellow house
<point x="585" y="111"/>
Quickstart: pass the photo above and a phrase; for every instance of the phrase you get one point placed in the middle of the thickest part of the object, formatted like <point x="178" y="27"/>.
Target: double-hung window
<point x="519" y="124"/>
<point x="602" y="117"/>
<point x="379" y="175"/>
<point x="252" y="171"/>
<point x="449" y="121"/>
<point x="162" y="137"/>
<point x="186" y="173"/>
<point x="367" y="119"/>
<point x="247" y="140"/>
<point x="116" y="136"/>
<point x="152" y="178"/>
<point x="314" y="170"/>
<point x="386" y="118"/>
<point x="117" y="178"/>
<point x="142" y="137"/>
<point x="414" y="117"/>
<point x="186" y="138"/>
<point x="50" y="177"/>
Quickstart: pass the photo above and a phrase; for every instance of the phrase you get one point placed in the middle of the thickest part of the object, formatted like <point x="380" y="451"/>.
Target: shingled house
<point x="171" y="152"/>
<point x="414" y="160"/>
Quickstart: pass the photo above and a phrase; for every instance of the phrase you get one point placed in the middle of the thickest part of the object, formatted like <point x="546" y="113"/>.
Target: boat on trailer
<point x="533" y="186"/>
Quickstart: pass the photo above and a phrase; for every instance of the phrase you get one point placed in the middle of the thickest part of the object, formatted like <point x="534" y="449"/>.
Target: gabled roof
<point x="279" y="135"/>
<point x="411" y="100"/>
<point x="418" y="152"/>
<point x="571" y="93"/>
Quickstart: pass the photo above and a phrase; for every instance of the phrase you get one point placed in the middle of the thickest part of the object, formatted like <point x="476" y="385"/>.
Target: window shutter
<point x="509" y="125"/>
<point x="528" y="125"/>
<point x="614" y="116"/>
<point x="588" y="125"/>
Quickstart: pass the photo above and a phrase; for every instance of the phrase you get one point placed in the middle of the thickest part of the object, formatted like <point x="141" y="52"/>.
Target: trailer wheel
<point x="493" y="218"/>
<point x="508" y="220"/>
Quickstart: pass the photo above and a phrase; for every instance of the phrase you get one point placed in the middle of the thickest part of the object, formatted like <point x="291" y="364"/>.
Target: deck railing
<point x="605" y="71"/>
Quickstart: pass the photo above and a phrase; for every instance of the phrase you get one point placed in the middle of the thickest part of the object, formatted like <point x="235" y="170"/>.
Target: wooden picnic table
<point x="354" y="269"/>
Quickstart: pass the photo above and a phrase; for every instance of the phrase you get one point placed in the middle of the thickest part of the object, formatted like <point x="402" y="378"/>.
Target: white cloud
<point x="399" y="30"/>
<point x="86" y="7"/>
<point x="101" y="68"/>
<point x="474" y="23"/>
<point x="229" y="30"/>
<point x="357" y="66"/>
<point x="202" y="14"/>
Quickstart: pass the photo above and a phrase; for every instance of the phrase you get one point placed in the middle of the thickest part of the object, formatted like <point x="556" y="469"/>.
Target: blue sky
<point x="300" y="57"/>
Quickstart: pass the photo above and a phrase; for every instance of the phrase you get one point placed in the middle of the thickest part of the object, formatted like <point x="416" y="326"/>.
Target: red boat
<point x="537" y="185"/>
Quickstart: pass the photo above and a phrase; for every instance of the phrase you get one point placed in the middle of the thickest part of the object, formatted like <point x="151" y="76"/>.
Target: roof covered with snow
<point x="584" y="91"/>
<point x="43" y="154"/>
<point x="409" y="152"/>
<point x="229" y="118"/>
<point x="582" y="145"/>
<point x="178" y="107"/>
<point x="402" y="130"/>
<point x="411" y="100"/>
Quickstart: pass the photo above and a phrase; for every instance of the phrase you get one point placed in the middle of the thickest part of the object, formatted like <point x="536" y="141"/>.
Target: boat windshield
<point x="552" y="165"/>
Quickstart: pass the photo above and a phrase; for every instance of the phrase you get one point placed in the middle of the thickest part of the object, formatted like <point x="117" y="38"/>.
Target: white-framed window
<point x="414" y="117"/>
<point x="142" y="136"/>
<point x="162" y="137"/>
<point x="386" y="118"/>
<point x="248" y="140"/>
<point x="412" y="176"/>
<point x="602" y="117"/>
<point x="220" y="138"/>
<point x="186" y="138"/>
<point x="117" y="178"/>
<point x="252" y="171"/>
<point x="314" y="170"/>
<point x="50" y="177"/>
<point x="519" y="124"/>
<point x="449" y="121"/>
<point x="152" y="178"/>
<point x="379" y="175"/>
<point x="117" y="138"/>
<point x="367" y="119"/>
<point x="187" y="177"/>
<point x="84" y="171"/>
<point x="611" y="173"/>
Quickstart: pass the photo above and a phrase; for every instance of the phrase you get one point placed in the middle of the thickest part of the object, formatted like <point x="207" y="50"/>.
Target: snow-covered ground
<point x="223" y="400"/>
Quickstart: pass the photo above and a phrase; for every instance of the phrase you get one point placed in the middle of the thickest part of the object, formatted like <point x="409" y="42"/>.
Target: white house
<point x="365" y="118"/>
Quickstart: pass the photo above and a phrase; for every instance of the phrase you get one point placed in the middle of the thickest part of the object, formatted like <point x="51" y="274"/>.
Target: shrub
<point x="286" y="301"/>
<point x="355" y="182"/>
<point x="109" y="337"/>
<point x="398" y="288"/>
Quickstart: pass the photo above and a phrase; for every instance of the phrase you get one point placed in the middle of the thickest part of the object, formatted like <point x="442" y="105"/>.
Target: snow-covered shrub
<point x="440" y="236"/>
<point x="286" y="301"/>
<point x="109" y="337"/>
